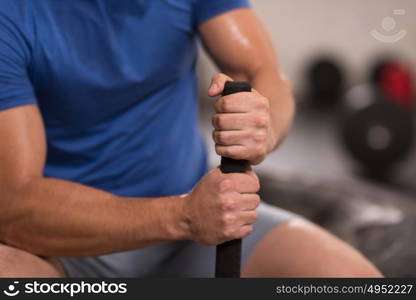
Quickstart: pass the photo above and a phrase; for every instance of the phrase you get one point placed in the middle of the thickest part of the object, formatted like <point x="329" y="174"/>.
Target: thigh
<point x="302" y="249"/>
<point x="18" y="263"/>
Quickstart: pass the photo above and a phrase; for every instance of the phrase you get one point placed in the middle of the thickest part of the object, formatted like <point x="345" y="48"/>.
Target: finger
<point x="242" y="183"/>
<point x="240" y="121"/>
<point x="244" y="231"/>
<point x="252" y="174"/>
<point x="242" y="103"/>
<point x="230" y="138"/>
<point x="248" y="217"/>
<point x="234" y="103"/>
<point x="249" y="202"/>
<point x="217" y="84"/>
<point x="237" y="121"/>
<point x="234" y="151"/>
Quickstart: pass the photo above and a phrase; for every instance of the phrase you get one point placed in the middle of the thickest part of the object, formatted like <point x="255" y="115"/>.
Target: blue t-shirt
<point x="116" y="86"/>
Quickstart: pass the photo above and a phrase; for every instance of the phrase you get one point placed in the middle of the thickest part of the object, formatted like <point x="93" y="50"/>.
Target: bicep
<point x="22" y="145"/>
<point x="22" y="137"/>
<point x="238" y="42"/>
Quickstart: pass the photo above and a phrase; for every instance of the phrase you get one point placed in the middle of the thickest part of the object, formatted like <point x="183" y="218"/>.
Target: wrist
<point x="272" y="140"/>
<point x="179" y="226"/>
<point x="278" y="131"/>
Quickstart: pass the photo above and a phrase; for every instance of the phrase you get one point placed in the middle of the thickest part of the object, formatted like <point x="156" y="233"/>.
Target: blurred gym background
<point x="349" y="163"/>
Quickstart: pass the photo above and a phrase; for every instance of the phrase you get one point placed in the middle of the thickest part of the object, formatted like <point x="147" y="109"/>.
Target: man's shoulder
<point x="14" y="12"/>
<point x="11" y="8"/>
<point x="17" y="17"/>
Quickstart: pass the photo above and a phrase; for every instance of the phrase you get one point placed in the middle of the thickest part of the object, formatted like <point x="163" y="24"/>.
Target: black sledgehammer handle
<point x="228" y="261"/>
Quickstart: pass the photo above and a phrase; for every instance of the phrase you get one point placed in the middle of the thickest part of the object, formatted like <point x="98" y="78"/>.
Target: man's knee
<point x="18" y="263"/>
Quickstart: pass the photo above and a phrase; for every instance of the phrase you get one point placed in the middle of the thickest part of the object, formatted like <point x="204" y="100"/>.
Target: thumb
<point x="217" y="84"/>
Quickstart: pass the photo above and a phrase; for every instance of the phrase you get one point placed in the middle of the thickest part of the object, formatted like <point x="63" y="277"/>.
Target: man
<point x="102" y="167"/>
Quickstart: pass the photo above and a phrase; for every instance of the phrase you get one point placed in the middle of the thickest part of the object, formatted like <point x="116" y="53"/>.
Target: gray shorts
<point x="176" y="259"/>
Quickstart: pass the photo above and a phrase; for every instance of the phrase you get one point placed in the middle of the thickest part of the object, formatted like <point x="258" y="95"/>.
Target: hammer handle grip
<point x="228" y="260"/>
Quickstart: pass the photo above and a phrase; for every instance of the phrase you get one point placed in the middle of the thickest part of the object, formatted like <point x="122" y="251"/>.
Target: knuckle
<point x="263" y="103"/>
<point x="260" y="150"/>
<point x="225" y="185"/>
<point x="256" y="185"/>
<point x="249" y="230"/>
<point x="260" y="137"/>
<point x="229" y="220"/>
<point x="217" y="105"/>
<point x="220" y="137"/>
<point x="222" y="151"/>
<point x="226" y="104"/>
<point x="257" y="201"/>
<point x="254" y="215"/>
<point x="261" y="121"/>
<point x="229" y="233"/>
<point x="215" y="120"/>
<point x="227" y="205"/>
<point x="219" y="150"/>
<point x="219" y="121"/>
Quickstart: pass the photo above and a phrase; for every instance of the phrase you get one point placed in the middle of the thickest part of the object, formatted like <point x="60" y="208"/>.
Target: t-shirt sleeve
<point x="15" y="86"/>
<point x="207" y="9"/>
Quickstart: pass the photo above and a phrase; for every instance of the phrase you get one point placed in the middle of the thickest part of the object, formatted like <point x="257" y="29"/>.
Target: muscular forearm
<point x="242" y="49"/>
<point x="277" y="89"/>
<point x="52" y="217"/>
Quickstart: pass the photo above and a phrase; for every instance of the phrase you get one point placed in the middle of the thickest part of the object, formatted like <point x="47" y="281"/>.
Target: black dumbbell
<point x="377" y="69"/>
<point x="375" y="131"/>
<point x="326" y="82"/>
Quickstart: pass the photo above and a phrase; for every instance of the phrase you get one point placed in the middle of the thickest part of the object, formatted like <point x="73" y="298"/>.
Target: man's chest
<point x="107" y="54"/>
